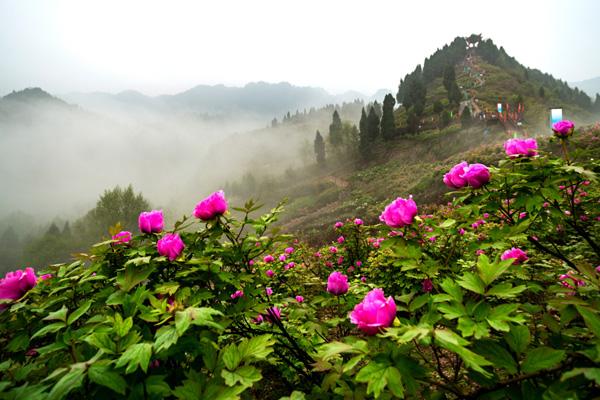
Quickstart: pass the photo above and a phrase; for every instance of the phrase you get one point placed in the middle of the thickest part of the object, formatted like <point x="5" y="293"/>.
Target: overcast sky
<point x="169" y="46"/>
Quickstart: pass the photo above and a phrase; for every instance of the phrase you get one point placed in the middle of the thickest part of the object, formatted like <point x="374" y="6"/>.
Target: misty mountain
<point x="590" y="86"/>
<point x="260" y="100"/>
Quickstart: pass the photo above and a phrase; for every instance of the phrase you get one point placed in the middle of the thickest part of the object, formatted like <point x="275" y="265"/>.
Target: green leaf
<point x="471" y="282"/>
<point x="166" y="337"/>
<point x="489" y="272"/>
<point x="104" y="375"/>
<point x="74" y="316"/>
<point x="592" y="374"/>
<point x="592" y="321"/>
<point x="453" y="342"/>
<point x="542" y="358"/>
<point x="375" y="374"/>
<point x="499" y="317"/>
<point x="201" y="316"/>
<point x="60" y="315"/>
<point x="54" y="327"/>
<point x="246" y="375"/>
<point x="70" y="381"/>
<point x="447" y="223"/>
<point x="137" y="354"/>
<point x="518" y="338"/>
<point x="231" y="357"/>
<point x="394" y="382"/>
<point x="257" y="348"/>
<point x="134" y="273"/>
<point x="103" y="342"/>
<point x="19" y="343"/>
<point x="329" y="350"/>
<point x="419" y="302"/>
<point x="167" y="288"/>
<point x="296" y="395"/>
<point x="497" y="354"/>
<point x="452" y="289"/>
<point x="505" y="290"/>
<point x="452" y="311"/>
<point x="122" y="326"/>
<point x="157" y="387"/>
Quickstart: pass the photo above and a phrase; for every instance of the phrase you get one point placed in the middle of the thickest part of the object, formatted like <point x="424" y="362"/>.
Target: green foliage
<point x="319" y="146"/>
<point x="125" y="322"/>
<point x="388" y="127"/>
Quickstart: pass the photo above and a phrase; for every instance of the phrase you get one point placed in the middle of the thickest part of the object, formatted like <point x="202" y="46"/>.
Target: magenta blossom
<point x="15" y="284"/>
<point x="211" y="207"/>
<point x="122" y="237"/>
<point x="341" y="240"/>
<point x="170" y="246"/>
<point x="269" y="291"/>
<point x="374" y="313"/>
<point x="270" y="273"/>
<point x="333" y="249"/>
<point x="399" y="213"/>
<point x="476" y="175"/>
<point x="564" y="128"/>
<point x="363" y="279"/>
<point x="338" y="225"/>
<point x="427" y="285"/>
<point x="358" y="221"/>
<point x="337" y="283"/>
<point x="151" y="221"/>
<point x="288" y="250"/>
<point x="300" y="299"/>
<point x="520" y="147"/>
<point x="282" y="258"/>
<point x="273" y="312"/>
<point x="268" y="258"/>
<point x="515" y="253"/>
<point x="238" y="293"/>
<point x="454" y="179"/>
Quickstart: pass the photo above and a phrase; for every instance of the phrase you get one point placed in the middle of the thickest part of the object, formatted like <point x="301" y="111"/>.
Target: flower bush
<point x="494" y="295"/>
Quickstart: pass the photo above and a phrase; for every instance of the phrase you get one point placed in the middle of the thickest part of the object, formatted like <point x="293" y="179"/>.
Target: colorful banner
<point x="499" y="108"/>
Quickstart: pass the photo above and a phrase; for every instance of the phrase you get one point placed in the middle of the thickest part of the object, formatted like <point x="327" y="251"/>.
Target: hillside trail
<point x="476" y="73"/>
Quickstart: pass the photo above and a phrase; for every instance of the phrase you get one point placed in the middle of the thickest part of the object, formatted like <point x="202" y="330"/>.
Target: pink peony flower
<point x="338" y="225"/>
<point x="238" y="293"/>
<point x="122" y="237"/>
<point x="363" y="279"/>
<point x="273" y="312"/>
<point x="269" y="291"/>
<point x="317" y="254"/>
<point x="282" y="258"/>
<point x="522" y="215"/>
<point x="48" y="276"/>
<point x="270" y="273"/>
<point x="520" y="147"/>
<point x="519" y="255"/>
<point x="300" y="299"/>
<point x="358" y="221"/>
<point x="170" y="246"/>
<point x="333" y="249"/>
<point x="15" y="284"/>
<point x="288" y="250"/>
<point x="476" y="175"/>
<point x="374" y="313"/>
<point x="268" y="258"/>
<point x="350" y="269"/>
<point x="454" y="178"/>
<point x="563" y="129"/>
<point x="399" y="213"/>
<point x="151" y="221"/>
<point x="251" y="262"/>
<point x="337" y="283"/>
<point x="479" y="252"/>
<point x="358" y="264"/>
<point x="290" y="265"/>
<point x="340" y="240"/>
<point x="461" y="231"/>
<point x="427" y="285"/>
<point x="340" y="260"/>
<point x="211" y="207"/>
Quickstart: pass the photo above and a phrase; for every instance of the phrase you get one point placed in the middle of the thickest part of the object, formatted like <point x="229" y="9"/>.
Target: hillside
<point x="590" y="86"/>
<point x="416" y="159"/>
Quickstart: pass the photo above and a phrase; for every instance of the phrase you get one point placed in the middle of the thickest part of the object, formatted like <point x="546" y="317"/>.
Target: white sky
<point x="169" y="46"/>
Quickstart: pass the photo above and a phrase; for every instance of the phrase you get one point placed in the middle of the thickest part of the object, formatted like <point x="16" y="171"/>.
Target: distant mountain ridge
<point x="590" y="86"/>
<point x="261" y="99"/>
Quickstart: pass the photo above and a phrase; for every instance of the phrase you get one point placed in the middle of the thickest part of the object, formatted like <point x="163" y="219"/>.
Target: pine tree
<point x="597" y="103"/>
<point x="412" y="120"/>
<point x="437" y="107"/>
<point x="335" y="130"/>
<point x="446" y="118"/>
<point x="542" y="92"/>
<point x="388" y="126"/>
<point x="362" y="125"/>
<point x="319" y="148"/>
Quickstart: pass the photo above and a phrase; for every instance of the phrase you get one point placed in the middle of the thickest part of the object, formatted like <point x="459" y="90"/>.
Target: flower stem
<point x="564" y="150"/>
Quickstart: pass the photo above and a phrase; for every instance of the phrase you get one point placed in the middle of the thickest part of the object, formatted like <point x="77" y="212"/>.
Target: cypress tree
<point x="388" y="127"/>
<point x="373" y="125"/>
<point x="465" y="118"/>
<point x="597" y="103"/>
<point x="319" y="148"/>
<point x="335" y="130"/>
<point x="362" y="125"/>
